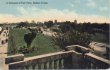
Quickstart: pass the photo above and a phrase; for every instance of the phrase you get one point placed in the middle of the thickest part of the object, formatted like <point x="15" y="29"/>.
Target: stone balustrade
<point x="56" y="60"/>
<point x="96" y="62"/>
<point x="70" y="59"/>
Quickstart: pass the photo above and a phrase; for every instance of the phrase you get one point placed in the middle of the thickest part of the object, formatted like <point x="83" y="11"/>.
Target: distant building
<point x="55" y="21"/>
<point x="75" y="21"/>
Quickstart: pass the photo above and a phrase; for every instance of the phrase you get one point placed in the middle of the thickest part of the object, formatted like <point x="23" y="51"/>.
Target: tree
<point x="23" y="24"/>
<point x="28" y="38"/>
<point x="72" y="37"/>
<point x="48" y="24"/>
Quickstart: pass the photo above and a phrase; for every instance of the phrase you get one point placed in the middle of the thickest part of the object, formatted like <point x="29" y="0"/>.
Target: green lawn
<point x="44" y="44"/>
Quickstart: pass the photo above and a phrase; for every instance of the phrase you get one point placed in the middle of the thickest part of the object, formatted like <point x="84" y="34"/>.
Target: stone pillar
<point x="55" y="64"/>
<point x="45" y="65"/>
<point x="68" y="62"/>
<point x="33" y="66"/>
<point x="39" y="66"/>
<point x="76" y="57"/>
<point x="19" y="66"/>
<point x="27" y="67"/>
<point x="50" y="64"/>
<point x="60" y="64"/>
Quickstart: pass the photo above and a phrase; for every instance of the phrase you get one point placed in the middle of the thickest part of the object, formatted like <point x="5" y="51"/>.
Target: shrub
<point x="72" y="38"/>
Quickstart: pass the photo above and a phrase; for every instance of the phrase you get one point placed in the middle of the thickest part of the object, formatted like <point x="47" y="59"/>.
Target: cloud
<point x="91" y="3"/>
<point x="102" y="9"/>
<point x="6" y="18"/>
<point x="37" y="14"/>
<point x="6" y="15"/>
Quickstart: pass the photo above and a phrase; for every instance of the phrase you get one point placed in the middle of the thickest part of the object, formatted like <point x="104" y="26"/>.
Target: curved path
<point x="3" y="49"/>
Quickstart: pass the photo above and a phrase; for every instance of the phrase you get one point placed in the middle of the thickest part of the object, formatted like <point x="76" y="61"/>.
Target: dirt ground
<point x="3" y="51"/>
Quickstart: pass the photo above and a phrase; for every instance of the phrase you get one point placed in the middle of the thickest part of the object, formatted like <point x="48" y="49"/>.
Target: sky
<point x="61" y="10"/>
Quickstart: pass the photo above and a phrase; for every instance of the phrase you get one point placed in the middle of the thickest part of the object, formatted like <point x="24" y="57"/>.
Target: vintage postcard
<point x="54" y="34"/>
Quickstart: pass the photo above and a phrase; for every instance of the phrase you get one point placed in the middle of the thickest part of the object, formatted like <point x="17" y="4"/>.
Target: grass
<point x="18" y="37"/>
<point x="44" y="44"/>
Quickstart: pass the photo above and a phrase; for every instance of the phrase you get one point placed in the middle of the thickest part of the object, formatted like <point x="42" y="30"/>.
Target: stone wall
<point x="14" y="58"/>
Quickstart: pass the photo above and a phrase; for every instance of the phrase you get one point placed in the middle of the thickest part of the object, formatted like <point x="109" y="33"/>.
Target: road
<point x="3" y="50"/>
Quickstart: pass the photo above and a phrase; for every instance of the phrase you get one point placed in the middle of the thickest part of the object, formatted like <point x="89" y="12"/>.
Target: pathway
<point x="3" y="49"/>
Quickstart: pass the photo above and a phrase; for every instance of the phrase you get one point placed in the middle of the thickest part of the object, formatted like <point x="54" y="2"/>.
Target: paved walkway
<point x="3" y="54"/>
<point x="3" y="51"/>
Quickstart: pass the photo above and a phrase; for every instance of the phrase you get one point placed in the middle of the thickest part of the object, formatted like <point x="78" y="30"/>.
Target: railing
<point x="89" y="61"/>
<point x="62" y="60"/>
<point x="57" y="60"/>
<point x="85" y="59"/>
<point x="95" y="62"/>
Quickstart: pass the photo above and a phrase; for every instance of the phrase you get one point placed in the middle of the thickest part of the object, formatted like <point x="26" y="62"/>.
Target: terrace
<point x="70" y="59"/>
